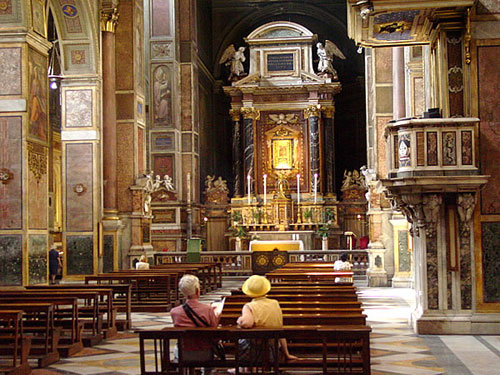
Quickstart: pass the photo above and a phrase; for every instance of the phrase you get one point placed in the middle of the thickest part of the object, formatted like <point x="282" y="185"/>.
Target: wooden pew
<point x="150" y="292"/>
<point x="299" y="304"/>
<point x="104" y="304"/>
<point x="89" y="315"/>
<point x="14" y="344"/>
<point x="210" y="274"/>
<point x="38" y="321"/>
<point x="309" y="297"/>
<point x="298" y="317"/>
<point x="342" y="349"/>
<point x="303" y="275"/>
<point x="122" y="293"/>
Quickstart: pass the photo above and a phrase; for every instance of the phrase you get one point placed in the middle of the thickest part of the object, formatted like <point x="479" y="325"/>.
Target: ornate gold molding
<point x="235" y="114"/>
<point x="37" y="160"/>
<point x="328" y="111"/>
<point x="250" y="113"/>
<point x="312" y="111"/>
<point x="109" y="19"/>
<point x="467" y="38"/>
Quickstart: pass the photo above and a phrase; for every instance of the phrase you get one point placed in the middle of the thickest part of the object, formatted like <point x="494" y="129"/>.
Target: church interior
<point x="227" y="138"/>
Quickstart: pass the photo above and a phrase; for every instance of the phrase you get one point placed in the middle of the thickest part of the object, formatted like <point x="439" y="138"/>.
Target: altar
<point x="283" y="245"/>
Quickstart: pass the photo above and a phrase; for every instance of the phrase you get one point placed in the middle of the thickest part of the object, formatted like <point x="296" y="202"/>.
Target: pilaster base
<point x="402" y="282"/>
<point x="377" y="275"/>
<point x="453" y="323"/>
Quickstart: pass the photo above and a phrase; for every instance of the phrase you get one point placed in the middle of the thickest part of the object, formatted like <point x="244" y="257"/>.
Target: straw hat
<point x="256" y="286"/>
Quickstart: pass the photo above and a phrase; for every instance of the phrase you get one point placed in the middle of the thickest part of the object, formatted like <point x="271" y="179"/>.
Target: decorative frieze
<point x="37" y="160"/>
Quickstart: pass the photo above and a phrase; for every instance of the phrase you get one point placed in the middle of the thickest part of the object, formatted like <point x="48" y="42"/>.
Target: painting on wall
<point x="404" y="150"/>
<point x="38" y="15"/>
<point x="162" y="109"/>
<point x="38" y="119"/>
<point x="139" y="49"/>
<point x="162" y="142"/>
<point x="11" y="206"/>
<point x="11" y="259"/>
<point x="37" y="259"/>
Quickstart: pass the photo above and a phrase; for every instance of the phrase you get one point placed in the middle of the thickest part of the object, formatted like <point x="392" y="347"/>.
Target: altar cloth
<point x="257" y="245"/>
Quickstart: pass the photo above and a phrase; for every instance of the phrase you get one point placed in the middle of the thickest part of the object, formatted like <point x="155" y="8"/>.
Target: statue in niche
<point x="326" y="54"/>
<point x="161" y="91"/>
<point x="234" y="59"/>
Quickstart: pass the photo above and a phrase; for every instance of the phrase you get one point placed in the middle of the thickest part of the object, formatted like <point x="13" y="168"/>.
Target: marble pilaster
<point x="236" y="151"/>
<point x="312" y="113"/>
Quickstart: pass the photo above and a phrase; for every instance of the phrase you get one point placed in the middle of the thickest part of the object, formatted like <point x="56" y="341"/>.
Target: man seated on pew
<point x="342" y="264"/>
<point x="193" y="313"/>
<point x="261" y="312"/>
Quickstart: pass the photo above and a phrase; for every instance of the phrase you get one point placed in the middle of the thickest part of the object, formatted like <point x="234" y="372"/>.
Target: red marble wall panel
<point x="140" y="151"/>
<point x="489" y="113"/>
<point x="160" y="17"/>
<point x="37" y="186"/>
<point x="455" y="74"/>
<point x="124" y="51"/>
<point x="186" y="92"/>
<point x="125" y="163"/>
<point x="79" y="187"/>
<point x="11" y="168"/>
<point x="163" y="164"/>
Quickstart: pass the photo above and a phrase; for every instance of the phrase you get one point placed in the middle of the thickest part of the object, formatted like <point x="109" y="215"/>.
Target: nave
<point x="395" y="349"/>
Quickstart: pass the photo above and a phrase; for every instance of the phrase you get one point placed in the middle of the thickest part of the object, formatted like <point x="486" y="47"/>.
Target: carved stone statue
<point x="465" y="208"/>
<point x="234" y="59"/>
<point x="216" y="192"/>
<point x="326" y="54"/>
<point x="150" y="186"/>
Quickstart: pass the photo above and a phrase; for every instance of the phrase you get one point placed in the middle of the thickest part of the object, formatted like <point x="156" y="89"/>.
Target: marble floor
<point x="395" y="349"/>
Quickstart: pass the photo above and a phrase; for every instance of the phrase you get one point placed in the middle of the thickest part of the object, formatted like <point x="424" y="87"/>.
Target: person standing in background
<point x="54" y="263"/>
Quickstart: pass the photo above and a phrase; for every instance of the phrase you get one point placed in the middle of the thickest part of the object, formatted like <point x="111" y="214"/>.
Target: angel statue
<point x="326" y="54"/>
<point x="234" y="59"/>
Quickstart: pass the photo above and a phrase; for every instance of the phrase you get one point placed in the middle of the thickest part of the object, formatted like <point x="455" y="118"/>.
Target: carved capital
<point x="250" y="113"/>
<point x="432" y="208"/>
<point x="465" y="208"/>
<point x="312" y="111"/>
<point x="109" y="19"/>
<point x="328" y="111"/>
<point x="235" y="115"/>
<point x="37" y="160"/>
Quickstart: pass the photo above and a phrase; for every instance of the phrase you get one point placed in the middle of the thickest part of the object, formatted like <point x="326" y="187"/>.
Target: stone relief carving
<point x="431" y="208"/>
<point x="151" y="185"/>
<point x="283" y="119"/>
<point x="465" y="208"/>
<point x="37" y="160"/>
<point x="161" y="50"/>
<point x="353" y="180"/>
<point x="216" y="191"/>
<point x="410" y="205"/>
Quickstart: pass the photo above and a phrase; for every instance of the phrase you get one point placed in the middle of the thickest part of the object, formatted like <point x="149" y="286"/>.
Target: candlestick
<point x="248" y="188"/>
<point x="298" y="188"/>
<point x="265" y="189"/>
<point x="315" y="188"/>
<point x="188" y="188"/>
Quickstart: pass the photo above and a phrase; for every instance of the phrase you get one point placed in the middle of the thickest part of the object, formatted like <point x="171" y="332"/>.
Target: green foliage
<point x="237" y="217"/>
<point x="240" y="232"/>
<point x="323" y="230"/>
<point x="308" y="213"/>
<point x="328" y="215"/>
<point x="257" y="215"/>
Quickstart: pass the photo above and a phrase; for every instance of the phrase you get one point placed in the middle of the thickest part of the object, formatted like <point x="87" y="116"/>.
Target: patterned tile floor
<point x="395" y="349"/>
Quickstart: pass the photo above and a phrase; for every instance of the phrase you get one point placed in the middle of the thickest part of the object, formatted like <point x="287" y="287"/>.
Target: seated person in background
<point x="194" y="314"/>
<point x="342" y="265"/>
<point x="261" y="312"/>
<point x="142" y="264"/>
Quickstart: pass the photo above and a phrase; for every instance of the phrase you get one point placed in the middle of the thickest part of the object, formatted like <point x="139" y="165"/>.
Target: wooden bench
<point x="150" y="292"/>
<point x="306" y="275"/>
<point x="210" y="274"/>
<point x="342" y="350"/>
<point x="14" y="344"/>
<point x="122" y="298"/>
<point x="38" y="321"/>
<point x="299" y="317"/>
<point x="309" y="297"/>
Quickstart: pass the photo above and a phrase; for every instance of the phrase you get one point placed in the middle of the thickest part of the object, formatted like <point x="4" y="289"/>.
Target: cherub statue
<point x="346" y="184"/>
<point x="234" y="59"/>
<point x="326" y="54"/>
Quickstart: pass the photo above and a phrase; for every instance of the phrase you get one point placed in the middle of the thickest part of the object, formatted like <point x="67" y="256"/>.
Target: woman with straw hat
<point x="261" y="312"/>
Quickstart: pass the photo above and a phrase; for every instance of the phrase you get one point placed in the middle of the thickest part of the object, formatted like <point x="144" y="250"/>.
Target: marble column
<point x="235" y="117"/>
<point x="312" y="113"/>
<point x="250" y="115"/>
<point x="398" y="78"/>
<point x="109" y="20"/>
<point x="328" y="150"/>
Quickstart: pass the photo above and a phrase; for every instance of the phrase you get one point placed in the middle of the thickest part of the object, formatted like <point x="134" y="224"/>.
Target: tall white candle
<point x="265" y="189"/>
<point x="248" y="188"/>
<point x="298" y="188"/>
<point x="315" y="188"/>
<point x="188" y="187"/>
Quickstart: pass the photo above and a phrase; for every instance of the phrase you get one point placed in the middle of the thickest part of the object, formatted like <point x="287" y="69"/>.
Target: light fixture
<point x="359" y="50"/>
<point x="54" y="57"/>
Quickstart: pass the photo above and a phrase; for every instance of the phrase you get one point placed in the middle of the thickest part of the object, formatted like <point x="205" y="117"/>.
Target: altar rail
<point x="235" y="263"/>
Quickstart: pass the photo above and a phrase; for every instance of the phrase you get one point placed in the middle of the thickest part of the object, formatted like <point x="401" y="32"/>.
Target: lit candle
<point x="298" y="188"/>
<point x="188" y="187"/>
<point x="248" y="188"/>
<point x="315" y="188"/>
<point x="265" y="189"/>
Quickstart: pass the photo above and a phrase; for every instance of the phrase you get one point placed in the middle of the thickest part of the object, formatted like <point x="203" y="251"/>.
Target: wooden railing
<point x="240" y="262"/>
